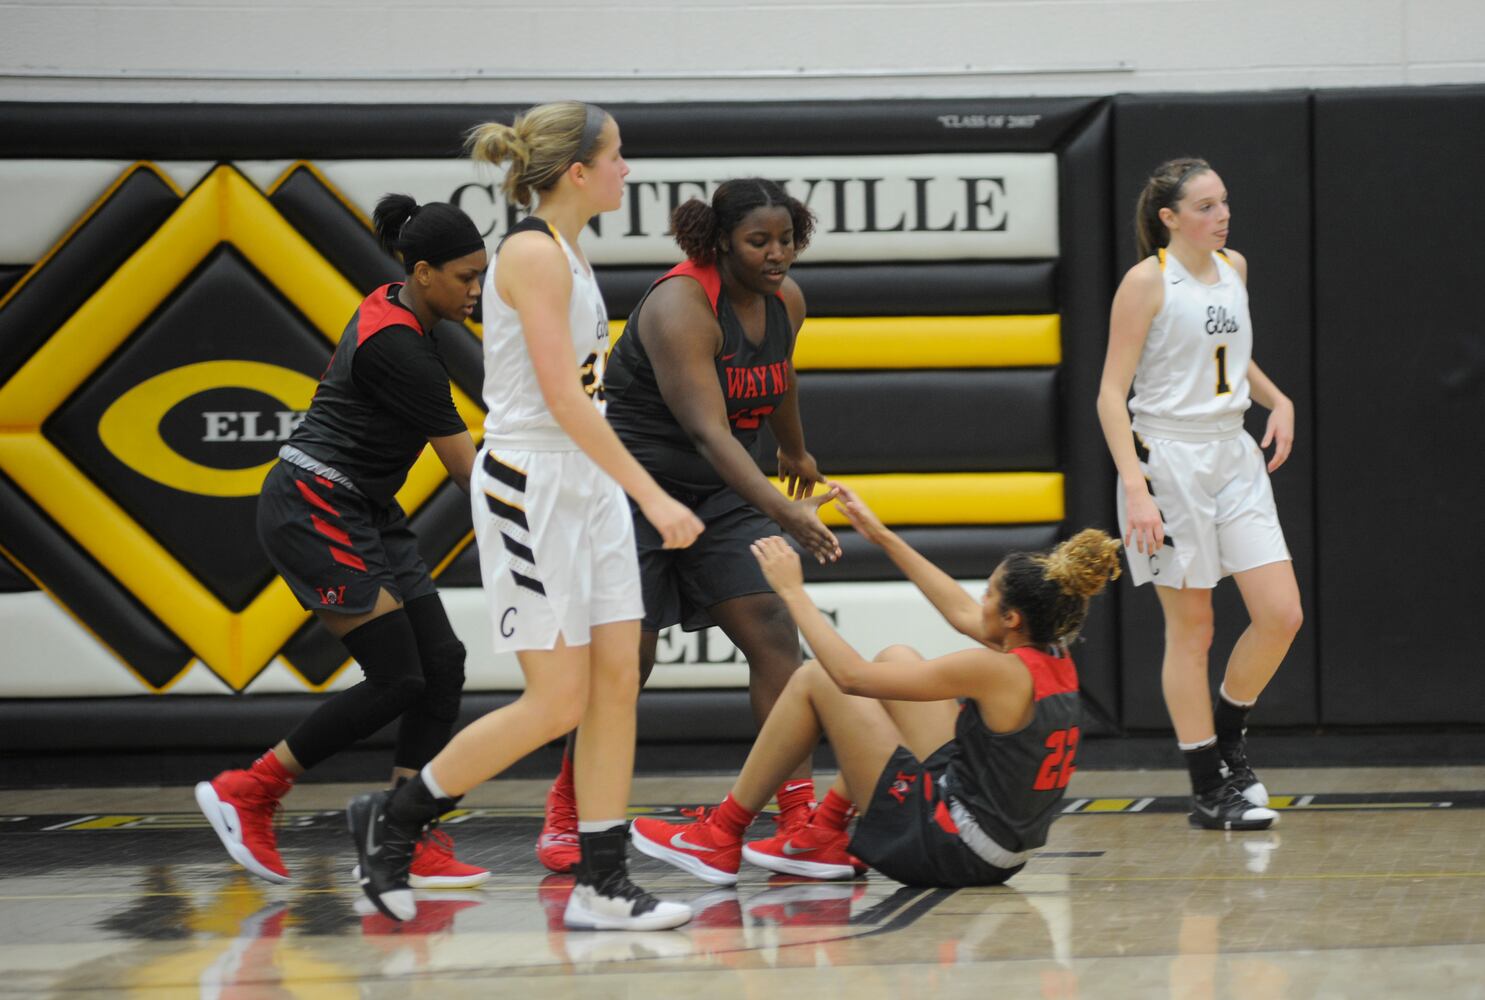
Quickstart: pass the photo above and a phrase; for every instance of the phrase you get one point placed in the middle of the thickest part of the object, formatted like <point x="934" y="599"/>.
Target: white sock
<point x="598" y="825"/>
<point x="432" y="785"/>
<point x="1222" y="691"/>
<point x="1198" y="744"/>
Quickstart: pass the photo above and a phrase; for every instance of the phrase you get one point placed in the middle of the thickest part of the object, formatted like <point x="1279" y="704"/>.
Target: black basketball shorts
<point x="680" y="584"/>
<point x="334" y="548"/>
<point x="906" y="832"/>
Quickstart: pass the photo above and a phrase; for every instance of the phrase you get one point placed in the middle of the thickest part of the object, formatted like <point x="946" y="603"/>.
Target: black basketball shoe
<point x="1240" y="772"/>
<point x="386" y="828"/>
<point x="1225" y="808"/>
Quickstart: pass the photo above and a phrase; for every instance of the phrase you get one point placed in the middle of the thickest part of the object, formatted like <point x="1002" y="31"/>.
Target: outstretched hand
<point x="801" y="519"/>
<point x="779" y="562"/>
<point x="862" y="517"/>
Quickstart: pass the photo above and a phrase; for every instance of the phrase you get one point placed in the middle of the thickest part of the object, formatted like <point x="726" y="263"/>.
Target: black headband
<point x="592" y="128"/>
<point x="442" y="233"/>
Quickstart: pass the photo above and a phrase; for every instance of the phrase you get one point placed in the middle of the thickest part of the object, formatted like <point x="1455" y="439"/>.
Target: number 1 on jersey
<point x="1222" y="387"/>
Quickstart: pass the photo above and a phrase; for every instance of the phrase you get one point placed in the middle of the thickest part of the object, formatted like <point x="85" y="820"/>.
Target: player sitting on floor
<point x="953" y="794"/>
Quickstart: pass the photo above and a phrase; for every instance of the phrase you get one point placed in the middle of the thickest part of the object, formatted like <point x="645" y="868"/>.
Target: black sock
<point x="603" y="854"/>
<point x="1231" y="720"/>
<point x="413" y="805"/>
<point x="1205" y="765"/>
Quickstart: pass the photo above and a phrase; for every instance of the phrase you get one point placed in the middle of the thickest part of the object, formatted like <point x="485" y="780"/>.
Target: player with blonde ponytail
<point x="553" y="528"/>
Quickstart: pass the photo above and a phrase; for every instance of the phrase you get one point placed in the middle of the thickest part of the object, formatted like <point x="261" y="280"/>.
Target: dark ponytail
<point x="436" y="232"/>
<point x="1163" y="190"/>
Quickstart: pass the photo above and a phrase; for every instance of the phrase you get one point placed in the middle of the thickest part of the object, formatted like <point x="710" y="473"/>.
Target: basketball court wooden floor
<point x="1372" y="885"/>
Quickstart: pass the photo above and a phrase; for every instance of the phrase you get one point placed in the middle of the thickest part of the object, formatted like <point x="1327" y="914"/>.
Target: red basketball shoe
<point x="240" y="806"/>
<point x="811" y="851"/>
<point x="557" y="848"/>
<point x="699" y="848"/>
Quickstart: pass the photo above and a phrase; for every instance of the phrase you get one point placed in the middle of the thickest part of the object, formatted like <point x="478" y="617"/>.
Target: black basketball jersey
<point x="383" y="395"/>
<point x="753" y="378"/>
<point x="1011" y="783"/>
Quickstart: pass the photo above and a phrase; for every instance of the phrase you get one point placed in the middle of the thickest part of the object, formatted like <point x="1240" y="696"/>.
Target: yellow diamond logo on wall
<point x="234" y="634"/>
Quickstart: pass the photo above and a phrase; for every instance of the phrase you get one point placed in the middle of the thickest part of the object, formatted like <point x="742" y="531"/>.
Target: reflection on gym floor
<point x="1372" y="887"/>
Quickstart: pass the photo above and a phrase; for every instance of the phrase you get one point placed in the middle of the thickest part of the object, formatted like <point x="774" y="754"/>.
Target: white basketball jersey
<point x="517" y="414"/>
<point x="1192" y="377"/>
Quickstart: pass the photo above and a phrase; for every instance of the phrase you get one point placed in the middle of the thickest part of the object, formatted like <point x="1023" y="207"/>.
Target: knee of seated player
<point x="810" y="674"/>
<point x="898" y="653"/>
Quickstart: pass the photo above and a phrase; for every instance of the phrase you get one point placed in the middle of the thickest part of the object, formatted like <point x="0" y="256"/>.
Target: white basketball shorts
<point x="1218" y="507"/>
<point x="556" y="547"/>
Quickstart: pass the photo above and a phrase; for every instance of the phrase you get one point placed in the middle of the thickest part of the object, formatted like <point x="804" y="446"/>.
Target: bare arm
<point x="533" y="278"/>
<point x="681" y="336"/>
<point x="989" y="677"/>
<point x="960" y="610"/>
<point x="1138" y="299"/>
<point x="456" y="452"/>
<point x="797" y="467"/>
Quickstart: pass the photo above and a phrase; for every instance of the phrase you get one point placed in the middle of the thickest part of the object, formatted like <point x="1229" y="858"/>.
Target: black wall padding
<point x="1083" y="296"/>
<point x="983" y="420"/>
<point x="941" y="288"/>
<point x="334" y="230"/>
<point x="12" y="580"/>
<point x="80" y="584"/>
<point x="1400" y="390"/>
<point x="966" y="552"/>
<point x="79" y="268"/>
<point x="314" y="652"/>
<point x="937" y="288"/>
<point x="10" y="275"/>
<point x="40" y="725"/>
<point x="442" y="522"/>
<point x="463" y="358"/>
<point x="352" y="131"/>
<point x="969" y="552"/>
<point x="463" y="570"/>
<point x="1269" y="186"/>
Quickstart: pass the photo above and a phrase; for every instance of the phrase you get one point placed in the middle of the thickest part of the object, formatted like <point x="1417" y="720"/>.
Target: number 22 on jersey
<point x="1057" y="767"/>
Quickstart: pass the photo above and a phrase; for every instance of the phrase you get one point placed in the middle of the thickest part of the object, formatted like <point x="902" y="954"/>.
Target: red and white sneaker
<point x="810" y="851"/>
<point x="240" y="807"/>
<point x="699" y="848"/>
<point x="435" y="867"/>
<point x="557" y="848"/>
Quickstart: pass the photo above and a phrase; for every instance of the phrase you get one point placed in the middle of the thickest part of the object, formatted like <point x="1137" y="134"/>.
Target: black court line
<point x="511" y="816"/>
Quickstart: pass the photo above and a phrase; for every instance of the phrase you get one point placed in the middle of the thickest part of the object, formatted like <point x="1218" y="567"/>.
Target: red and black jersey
<point x="753" y="378"/>
<point x="383" y="395"/>
<point x="1011" y="783"/>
